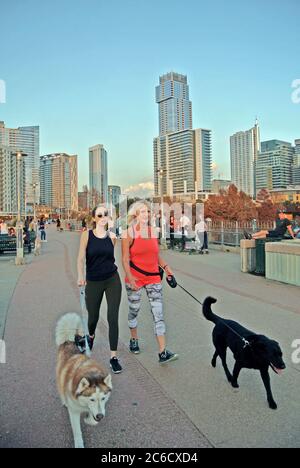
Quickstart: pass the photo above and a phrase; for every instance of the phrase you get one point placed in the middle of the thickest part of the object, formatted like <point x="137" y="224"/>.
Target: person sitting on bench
<point x="283" y="225"/>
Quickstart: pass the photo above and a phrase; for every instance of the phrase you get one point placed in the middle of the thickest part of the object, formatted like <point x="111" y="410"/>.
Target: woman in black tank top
<point x="102" y="277"/>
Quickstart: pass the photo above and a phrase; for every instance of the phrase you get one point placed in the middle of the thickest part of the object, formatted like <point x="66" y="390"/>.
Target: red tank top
<point x="144" y="254"/>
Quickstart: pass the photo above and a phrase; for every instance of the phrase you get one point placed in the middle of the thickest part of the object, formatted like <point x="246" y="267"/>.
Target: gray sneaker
<point x="167" y="356"/>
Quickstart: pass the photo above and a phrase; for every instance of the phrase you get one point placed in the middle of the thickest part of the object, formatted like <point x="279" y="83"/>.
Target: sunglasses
<point x="102" y="215"/>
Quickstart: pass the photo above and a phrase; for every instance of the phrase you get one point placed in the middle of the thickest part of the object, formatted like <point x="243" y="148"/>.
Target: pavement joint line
<point x="238" y="292"/>
<point x="160" y="389"/>
<point x="11" y="298"/>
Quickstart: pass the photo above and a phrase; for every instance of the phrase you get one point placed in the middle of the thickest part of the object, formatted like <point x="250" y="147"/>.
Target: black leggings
<point x="93" y="296"/>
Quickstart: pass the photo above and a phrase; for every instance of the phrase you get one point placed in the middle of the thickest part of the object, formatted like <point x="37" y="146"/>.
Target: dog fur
<point x="84" y="385"/>
<point x="261" y="354"/>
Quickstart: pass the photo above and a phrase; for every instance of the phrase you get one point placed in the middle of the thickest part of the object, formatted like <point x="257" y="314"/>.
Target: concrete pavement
<point x="185" y="404"/>
<point x="9" y="276"/>
<point x="139" y="414"/>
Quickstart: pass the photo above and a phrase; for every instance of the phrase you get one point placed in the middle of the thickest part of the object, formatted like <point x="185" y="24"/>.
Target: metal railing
<point x="230" y="233"/>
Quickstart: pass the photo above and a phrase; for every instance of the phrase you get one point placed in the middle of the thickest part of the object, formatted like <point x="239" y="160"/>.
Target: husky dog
<point x="84" y="386"/>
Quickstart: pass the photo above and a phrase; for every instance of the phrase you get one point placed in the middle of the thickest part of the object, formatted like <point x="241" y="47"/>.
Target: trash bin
<point x="261" y="255"/>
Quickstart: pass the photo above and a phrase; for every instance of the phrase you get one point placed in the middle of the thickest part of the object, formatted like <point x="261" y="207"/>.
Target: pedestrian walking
<point x="27" y="238"/>
<point x="141" y="261"/>
<point x="172" y="232"/>
<point x="42" y="229"/>
<point x="96" y="256"/>
<point x="202" y="235"/>
<point x="184" y="226"/>
<point x="58" y="224"/>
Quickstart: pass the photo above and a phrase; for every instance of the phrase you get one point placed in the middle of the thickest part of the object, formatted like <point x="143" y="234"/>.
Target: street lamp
<point x="161" y="172"/>
<point x="34" y="186"/>
<point x="19" y="226"/>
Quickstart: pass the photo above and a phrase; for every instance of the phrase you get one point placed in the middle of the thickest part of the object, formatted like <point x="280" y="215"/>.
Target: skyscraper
<point x="183" y="154"/>
<point x="175" y="108"/>
<point x="244" y="149"/>
<point x="9" y="182"/>
<point x="59" y="182"/>
<point x="98" y="175"/>
<point x="26" y="139"/>
<point x="114" y="193"/>
<point x="274" y="165"/>
<point x="296" y="164"/>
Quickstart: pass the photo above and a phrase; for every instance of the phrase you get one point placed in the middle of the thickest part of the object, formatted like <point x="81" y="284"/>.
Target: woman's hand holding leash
<point x="168" y="270"/>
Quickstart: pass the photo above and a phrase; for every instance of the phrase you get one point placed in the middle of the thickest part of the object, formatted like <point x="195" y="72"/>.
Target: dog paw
<point x="273" y="405"/>
<point x="214" y="364"/>
<point x="235" y="387"/>
<point x="79" y="444"/>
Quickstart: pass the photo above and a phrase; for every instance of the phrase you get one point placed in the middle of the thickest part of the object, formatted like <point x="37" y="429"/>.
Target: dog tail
<point x="67" y="327"/>
<point x="207" y="312"/>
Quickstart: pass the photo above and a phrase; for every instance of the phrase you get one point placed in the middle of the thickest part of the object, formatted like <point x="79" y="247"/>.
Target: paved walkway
<point x="187" y="404"/>
<point x="9" y="276"/>
<point x="140" y="413"/>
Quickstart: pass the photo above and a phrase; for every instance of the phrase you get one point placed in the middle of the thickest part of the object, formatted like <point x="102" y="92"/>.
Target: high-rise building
<point x="27" y="140"/>
<point x="296" y="164"/>
<point x="244" y="149"/>
<point x="9" y="182"/>
<point x="83" y="199"/>
<point x="220" y="184"/>
<point x="59" y="182"/>
<point x="274" y="165"/>
<point x="114" y="193"/>
<point x="175" y="108"/>
<point x="182" y="154"/>
<point x="98" y="175"/>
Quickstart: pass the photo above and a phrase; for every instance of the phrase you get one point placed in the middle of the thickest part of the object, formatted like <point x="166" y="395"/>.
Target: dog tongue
<point x="279" y="371"/>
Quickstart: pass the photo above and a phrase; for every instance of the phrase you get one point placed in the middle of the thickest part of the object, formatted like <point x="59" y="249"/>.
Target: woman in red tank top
<point x="141" y="262"/>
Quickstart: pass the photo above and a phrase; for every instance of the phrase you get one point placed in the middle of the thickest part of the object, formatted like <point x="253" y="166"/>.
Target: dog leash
<point x="246" y="343"/>
<point x="84" y="322"/>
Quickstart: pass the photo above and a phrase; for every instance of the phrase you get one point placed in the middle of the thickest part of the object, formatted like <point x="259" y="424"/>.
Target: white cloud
<point x="142" y="190"/>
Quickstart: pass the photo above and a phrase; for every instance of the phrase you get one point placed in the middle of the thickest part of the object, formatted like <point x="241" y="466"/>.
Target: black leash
<point x="246" y="343"/>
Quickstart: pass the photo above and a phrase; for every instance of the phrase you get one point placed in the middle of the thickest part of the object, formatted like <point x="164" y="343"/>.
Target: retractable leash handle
<point x="85" y="328"/>
<point x="171" y="280"/>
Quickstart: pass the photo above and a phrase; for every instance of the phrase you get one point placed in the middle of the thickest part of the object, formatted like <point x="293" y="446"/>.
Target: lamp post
<point x="34" y="186"/>
<point x="162" y="226"/>
<point x="19" y="260"/>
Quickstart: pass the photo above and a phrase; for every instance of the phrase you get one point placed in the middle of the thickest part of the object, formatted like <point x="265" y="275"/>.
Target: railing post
<point x="222" y="233"/>
<point x="237" y="237"/>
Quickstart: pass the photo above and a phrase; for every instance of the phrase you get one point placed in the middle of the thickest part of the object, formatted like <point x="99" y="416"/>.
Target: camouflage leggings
<point x="154" y="293"/>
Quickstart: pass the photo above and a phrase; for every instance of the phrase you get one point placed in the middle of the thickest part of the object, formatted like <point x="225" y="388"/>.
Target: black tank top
<point x="100" y="259"/>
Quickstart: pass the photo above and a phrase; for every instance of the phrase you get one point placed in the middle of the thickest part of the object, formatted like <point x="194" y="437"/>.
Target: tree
<point x="263" y="196"/>
<point x="230" y="205"/>
<point x="266" y="210"/>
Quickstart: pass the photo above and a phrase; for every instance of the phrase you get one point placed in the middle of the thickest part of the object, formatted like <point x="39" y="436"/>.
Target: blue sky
<point x="85" y="71"/>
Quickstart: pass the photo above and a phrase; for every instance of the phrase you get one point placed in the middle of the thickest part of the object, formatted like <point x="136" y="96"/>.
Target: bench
<point x="283" y="261"/>
<point x="8" y="244"/>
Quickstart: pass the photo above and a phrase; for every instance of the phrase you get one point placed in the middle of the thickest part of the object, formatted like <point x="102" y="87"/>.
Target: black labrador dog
<point x="261" y="352"/>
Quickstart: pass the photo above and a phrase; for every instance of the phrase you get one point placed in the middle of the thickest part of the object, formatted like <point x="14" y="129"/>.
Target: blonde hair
<point x="135" y="209"/>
